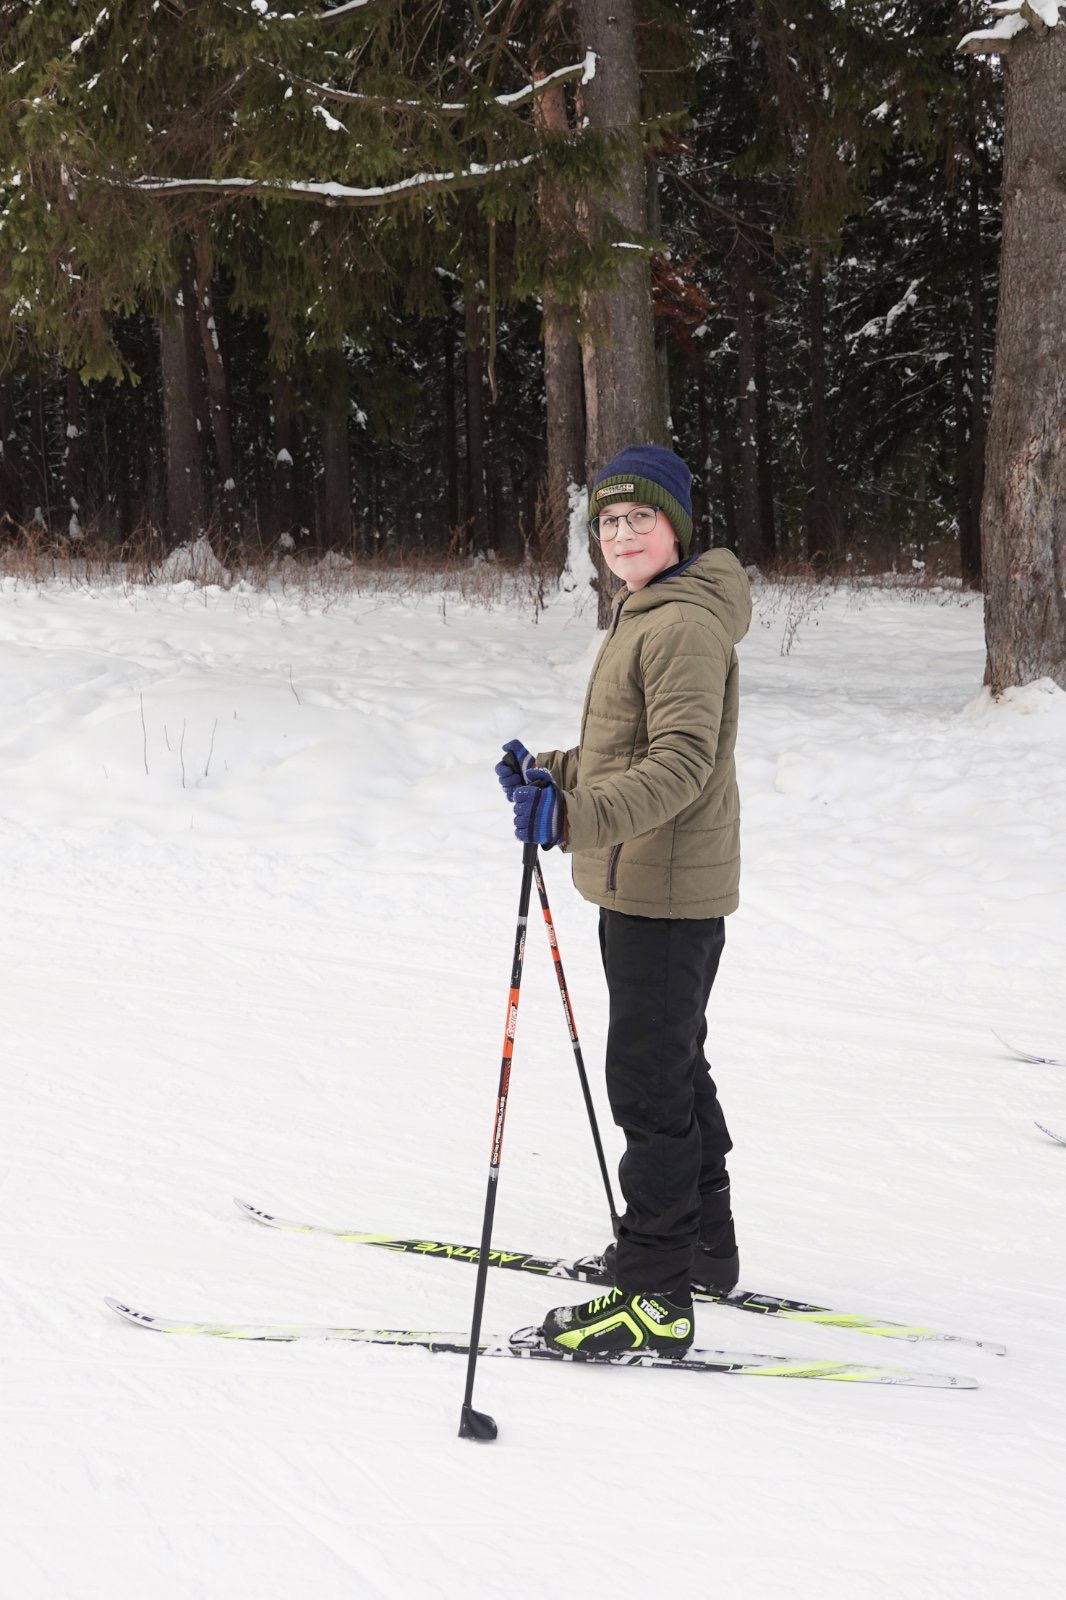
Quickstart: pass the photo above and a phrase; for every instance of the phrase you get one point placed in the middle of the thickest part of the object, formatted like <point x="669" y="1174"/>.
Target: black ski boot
<point x="622" y="1320"/>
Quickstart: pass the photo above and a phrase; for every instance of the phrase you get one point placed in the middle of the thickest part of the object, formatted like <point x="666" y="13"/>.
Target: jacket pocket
<point x="612" y="868"/>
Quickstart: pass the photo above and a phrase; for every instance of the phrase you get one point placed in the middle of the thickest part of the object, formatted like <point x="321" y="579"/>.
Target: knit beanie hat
<point x="654" y="476"/>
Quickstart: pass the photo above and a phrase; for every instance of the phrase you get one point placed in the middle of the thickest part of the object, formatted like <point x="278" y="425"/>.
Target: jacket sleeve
<point x="685" y="665"/>
<point x="562" y="764"/>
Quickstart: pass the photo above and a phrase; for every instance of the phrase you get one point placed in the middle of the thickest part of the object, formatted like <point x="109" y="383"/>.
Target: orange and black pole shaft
<point x="478" y="1424"/>
<point x="568" y="1012"/>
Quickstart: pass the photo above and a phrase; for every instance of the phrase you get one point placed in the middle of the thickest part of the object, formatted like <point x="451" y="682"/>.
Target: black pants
<point x="659" y="975"/>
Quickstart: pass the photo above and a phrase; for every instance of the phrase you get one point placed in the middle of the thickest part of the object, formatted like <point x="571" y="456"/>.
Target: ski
<point x="1025" y="1055"/>
<point x="1058" y="1137"/>
<point x="589" y="1269"/>
<point x="529" y="1344"/>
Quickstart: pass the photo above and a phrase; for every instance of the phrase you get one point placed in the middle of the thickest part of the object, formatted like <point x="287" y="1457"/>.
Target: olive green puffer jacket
<point x="652" y="810"/>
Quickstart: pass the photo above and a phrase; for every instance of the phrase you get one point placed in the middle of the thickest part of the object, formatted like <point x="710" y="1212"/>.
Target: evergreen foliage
<point x="837" y="168"/>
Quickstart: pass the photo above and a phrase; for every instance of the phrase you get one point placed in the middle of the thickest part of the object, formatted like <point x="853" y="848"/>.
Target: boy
<point x="647" y="804"/>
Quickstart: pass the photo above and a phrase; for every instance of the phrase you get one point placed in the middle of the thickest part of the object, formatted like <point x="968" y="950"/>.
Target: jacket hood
<point x="715" y="580"/>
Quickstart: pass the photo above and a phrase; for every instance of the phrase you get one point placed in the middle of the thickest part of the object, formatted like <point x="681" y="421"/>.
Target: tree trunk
<point x="662" y="348"/>
<point x="150" y="433"/>
<point x="475" y="317"/>
<point x="182" y="442"/>
<point x="703" y="524"/>
<point x="282" y="522"/>
<point x="967" y="510"/>
<point x="622" y="400"/>
<point x="747" y="487"/>
<point x="335" y="525"/>
<point x="218" y="403"/>
<point x="10" y="466"/>
<point x="821" y="544"/>
<point x="74" y="455"/>
<point x="450" y="436"/>
<point x="727" y="454"/>
<point x="1023" y="521"/>
<point x="564" y="401"/>
<point x="970" y="533"/>
<point x="767" y="548"/>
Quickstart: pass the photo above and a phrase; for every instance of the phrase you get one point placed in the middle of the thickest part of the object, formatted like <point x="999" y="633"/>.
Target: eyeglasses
<point x="641" y="520"/>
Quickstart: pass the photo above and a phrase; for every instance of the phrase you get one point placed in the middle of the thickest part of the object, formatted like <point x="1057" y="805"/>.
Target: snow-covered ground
<point x="258" y="899"/>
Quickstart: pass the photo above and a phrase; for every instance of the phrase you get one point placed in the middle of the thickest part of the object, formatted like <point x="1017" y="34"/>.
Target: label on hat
<point x="615" y="489"/>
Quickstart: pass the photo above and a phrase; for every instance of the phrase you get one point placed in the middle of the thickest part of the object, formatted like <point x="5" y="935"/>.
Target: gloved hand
<point x="538" y="810"/>
<point x="512" y="770"/>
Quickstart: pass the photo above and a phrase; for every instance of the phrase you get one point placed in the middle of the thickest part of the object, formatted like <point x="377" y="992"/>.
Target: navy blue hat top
<point x="654" y="475"/>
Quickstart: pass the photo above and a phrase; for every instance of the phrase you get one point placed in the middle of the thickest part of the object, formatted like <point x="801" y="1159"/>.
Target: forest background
<point x="392" y="279"/>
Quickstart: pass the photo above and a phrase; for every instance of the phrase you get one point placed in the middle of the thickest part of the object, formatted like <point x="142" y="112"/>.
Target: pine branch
<point x="509" y="101"/>
<point x="332" y="194"/>
<point x="340" y="11"/>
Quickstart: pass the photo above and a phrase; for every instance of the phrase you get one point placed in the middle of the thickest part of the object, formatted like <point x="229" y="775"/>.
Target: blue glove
<point x="538" y="810"/>
<point x="512" y="770"/>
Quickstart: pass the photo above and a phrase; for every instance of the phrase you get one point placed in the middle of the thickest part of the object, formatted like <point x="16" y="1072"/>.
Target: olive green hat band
<point x="629" y="486"/>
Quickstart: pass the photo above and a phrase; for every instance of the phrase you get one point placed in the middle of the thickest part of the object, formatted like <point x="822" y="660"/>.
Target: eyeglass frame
<point x="594" y="523"/>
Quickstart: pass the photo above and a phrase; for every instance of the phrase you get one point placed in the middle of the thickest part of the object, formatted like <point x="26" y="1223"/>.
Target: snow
<point x="1015" y="16"/>
<point x="350" y="5"/>
<point x="883" y="325"/>
<point x="1004" y="30"/>
<point x="329" y="119"/>
<point x="336" y="191"/>
<point x="256" y="927"/>
<point x="579" y="574"/>
<point x="1047" y="10"/>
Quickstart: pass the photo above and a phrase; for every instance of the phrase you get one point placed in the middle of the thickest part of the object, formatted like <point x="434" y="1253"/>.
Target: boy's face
<point x="633" y="554"/>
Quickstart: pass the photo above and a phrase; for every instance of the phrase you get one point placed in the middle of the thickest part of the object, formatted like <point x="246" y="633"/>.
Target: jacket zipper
<point x="612" y="866"/>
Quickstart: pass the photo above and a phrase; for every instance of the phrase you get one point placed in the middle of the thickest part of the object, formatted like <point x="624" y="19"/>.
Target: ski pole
<point x="478" y="1424"/>
<point x="575" y="1041"/>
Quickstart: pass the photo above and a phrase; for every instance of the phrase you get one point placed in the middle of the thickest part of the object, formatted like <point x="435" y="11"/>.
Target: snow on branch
<point x="882" y="325"/>
<point x="263" y="8"/>
<point x="340" y="11"/>
<point x="586" y="69"/>
<point x="334" y="194"/>
<point x="1015" y="17"/>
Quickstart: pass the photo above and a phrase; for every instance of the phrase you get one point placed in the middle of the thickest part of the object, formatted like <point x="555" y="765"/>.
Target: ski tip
<point x="1031" y="1057"/>
<point x="248" y="1210"/>
<point x="127" y="1313"/>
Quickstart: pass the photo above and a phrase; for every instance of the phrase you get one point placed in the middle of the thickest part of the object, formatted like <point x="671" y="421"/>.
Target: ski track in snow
<point x="276" y="963"/>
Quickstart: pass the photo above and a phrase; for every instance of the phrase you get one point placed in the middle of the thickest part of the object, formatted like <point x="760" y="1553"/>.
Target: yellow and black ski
<point x="590" y="1269"/>
<point x="528" y="1344"/>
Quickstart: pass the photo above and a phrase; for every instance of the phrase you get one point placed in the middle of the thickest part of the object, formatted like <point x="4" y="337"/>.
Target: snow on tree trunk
<point x="281" y="519"/>
<point x="1023" y="520"/>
